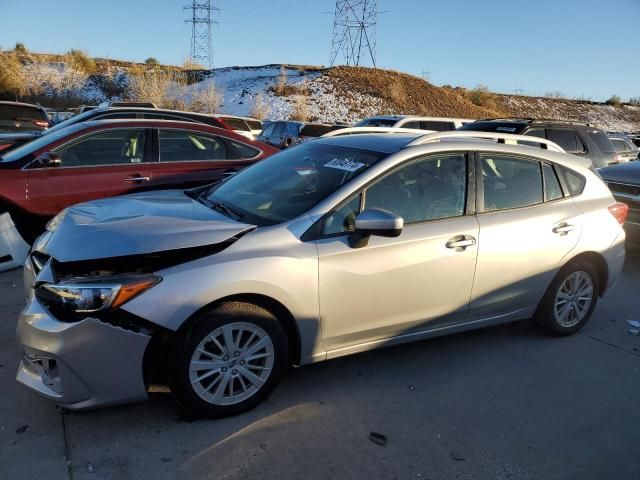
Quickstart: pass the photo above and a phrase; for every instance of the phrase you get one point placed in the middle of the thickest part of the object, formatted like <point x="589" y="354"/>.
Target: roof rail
<point x="521" y="119"/>
<point x="360" y="130"/>
<point x="556" y="120"/>
<point x="499" y="137"/>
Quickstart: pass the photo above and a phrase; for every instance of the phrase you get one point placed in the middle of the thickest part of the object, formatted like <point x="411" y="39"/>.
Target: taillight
<point x="41" y="123"/>
<point x="616" y="158"/>
<point x="619" y="210"/>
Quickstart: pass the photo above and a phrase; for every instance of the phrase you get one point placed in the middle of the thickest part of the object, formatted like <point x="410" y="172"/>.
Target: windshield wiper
<point x="221" y="207"/>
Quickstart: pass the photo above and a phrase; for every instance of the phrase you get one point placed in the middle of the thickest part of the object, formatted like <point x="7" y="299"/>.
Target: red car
<point x="100" y="159"/>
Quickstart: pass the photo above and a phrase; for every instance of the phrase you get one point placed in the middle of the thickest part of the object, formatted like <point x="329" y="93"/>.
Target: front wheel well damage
<point x="156" y="359"/>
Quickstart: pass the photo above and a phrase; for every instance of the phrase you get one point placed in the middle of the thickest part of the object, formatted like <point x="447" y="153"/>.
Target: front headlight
<point x="84" y="296"/>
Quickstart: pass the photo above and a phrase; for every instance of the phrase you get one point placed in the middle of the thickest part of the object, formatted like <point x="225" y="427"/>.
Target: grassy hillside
<point x="342" y="93"/>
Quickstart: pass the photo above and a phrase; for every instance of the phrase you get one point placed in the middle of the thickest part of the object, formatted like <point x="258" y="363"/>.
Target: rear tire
<point x="569" y="301"/>
<point x="228" y="361"/>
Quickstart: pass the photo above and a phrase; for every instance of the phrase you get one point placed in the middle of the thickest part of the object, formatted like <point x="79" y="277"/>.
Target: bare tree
<point x="207" y="99"/>
<point x="300" y="109"/>
<point x="260" y="109"/>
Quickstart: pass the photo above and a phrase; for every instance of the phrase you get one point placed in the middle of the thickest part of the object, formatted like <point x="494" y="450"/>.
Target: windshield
<point x="70" y="121"/>
<point x="288" y="184"/>
<point x="38" y="143"/>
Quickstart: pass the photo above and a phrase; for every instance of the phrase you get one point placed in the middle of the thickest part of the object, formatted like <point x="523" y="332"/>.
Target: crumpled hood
<point x="137" y="224"/>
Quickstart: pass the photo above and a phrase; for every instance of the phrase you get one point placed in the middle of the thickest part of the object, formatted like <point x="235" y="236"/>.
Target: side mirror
<point x="49" y="159"/>
<point x="375" y="221"/>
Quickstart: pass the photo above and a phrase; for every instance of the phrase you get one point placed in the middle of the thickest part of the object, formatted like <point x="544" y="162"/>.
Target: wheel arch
<point x="599" y="263"/>
<point x="282" y="314"/>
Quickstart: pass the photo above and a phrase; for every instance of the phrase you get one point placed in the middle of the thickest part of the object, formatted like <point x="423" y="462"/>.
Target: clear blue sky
<point x="578" y="47"/>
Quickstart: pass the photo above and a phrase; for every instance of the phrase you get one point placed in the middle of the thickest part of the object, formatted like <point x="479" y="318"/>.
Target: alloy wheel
<point x="573" y="299"/>
<point x="231" y="364"/>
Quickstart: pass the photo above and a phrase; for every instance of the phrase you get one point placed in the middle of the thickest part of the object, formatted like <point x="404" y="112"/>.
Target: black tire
<point x="546" y="317"/>
<point x="205" y="324"/>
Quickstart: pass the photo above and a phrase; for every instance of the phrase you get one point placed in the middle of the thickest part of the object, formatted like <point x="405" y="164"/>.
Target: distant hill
<point x="336" y="94"/>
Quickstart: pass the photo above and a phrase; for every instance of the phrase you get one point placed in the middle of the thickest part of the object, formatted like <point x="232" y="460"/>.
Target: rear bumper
<point x="80" y="365"/>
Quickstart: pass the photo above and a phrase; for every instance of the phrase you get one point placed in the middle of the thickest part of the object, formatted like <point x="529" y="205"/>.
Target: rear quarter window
<point x="574" y="181"/>
<point x="254" y="124"/>
<point x="601" y="140"/>
<point x="236" y="124"/>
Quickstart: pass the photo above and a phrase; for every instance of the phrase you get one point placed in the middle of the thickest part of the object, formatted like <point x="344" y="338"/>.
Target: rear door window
<point x="114" y="147"/>
<point x="181" y="146"/>
<point x="509" y="182"/>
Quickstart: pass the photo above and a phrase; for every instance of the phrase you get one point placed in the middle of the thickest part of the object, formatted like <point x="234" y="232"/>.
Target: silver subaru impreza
<point x="337" y="246"/>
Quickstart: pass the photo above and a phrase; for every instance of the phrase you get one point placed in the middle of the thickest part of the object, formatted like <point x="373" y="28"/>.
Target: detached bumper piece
<point x="80" y="365"/>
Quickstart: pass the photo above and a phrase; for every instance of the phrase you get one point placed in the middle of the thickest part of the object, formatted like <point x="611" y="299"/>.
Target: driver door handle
<point x="137" y="179"/>
<point x="461" y="242"/>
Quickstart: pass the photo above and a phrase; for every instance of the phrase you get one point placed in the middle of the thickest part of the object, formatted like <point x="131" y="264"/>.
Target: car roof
<point x="383" y="143"/>
<point x="149" y="110"/>
<point x="21" y="104"/>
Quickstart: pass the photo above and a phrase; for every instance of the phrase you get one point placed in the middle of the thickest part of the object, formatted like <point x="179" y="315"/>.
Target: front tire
<point x="229" y="361"/>
<point x="570" y="300"/>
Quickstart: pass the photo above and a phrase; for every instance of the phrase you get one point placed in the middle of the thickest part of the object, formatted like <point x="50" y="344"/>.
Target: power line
<point x="201" y="51"/>
<point x="354" y="31"/>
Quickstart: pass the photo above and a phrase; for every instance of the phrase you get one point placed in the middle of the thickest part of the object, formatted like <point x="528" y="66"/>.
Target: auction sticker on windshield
<point x="344" y="164"/>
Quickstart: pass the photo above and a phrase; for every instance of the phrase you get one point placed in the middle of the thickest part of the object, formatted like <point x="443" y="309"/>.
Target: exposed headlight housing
<point x="92" y="295"/>
<point x="52" y="225"/>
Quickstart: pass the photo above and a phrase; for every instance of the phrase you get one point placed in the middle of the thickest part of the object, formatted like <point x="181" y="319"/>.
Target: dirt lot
<point x="502" y="403"/>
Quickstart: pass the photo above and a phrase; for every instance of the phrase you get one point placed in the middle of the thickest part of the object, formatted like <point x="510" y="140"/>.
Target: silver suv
<point x="333" y="247"/>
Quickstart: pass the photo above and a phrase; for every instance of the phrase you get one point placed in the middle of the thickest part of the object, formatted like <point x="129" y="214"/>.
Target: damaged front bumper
<point x="80" y="365"/>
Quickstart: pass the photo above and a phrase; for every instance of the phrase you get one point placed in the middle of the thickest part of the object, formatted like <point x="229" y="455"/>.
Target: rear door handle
<point x="137" y="179"/>
<point x="563" y="229"/>
<point x="461" y="242"/>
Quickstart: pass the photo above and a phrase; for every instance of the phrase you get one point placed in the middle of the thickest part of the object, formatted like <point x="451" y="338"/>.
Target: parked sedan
<point x="112" y="111"/>
<point x="624" y="183"/>
<point x="337" y="246"/>
<point x="91" y="160"/>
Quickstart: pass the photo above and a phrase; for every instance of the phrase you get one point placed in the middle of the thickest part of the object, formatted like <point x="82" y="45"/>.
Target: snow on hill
<point x="338" y="94"/>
